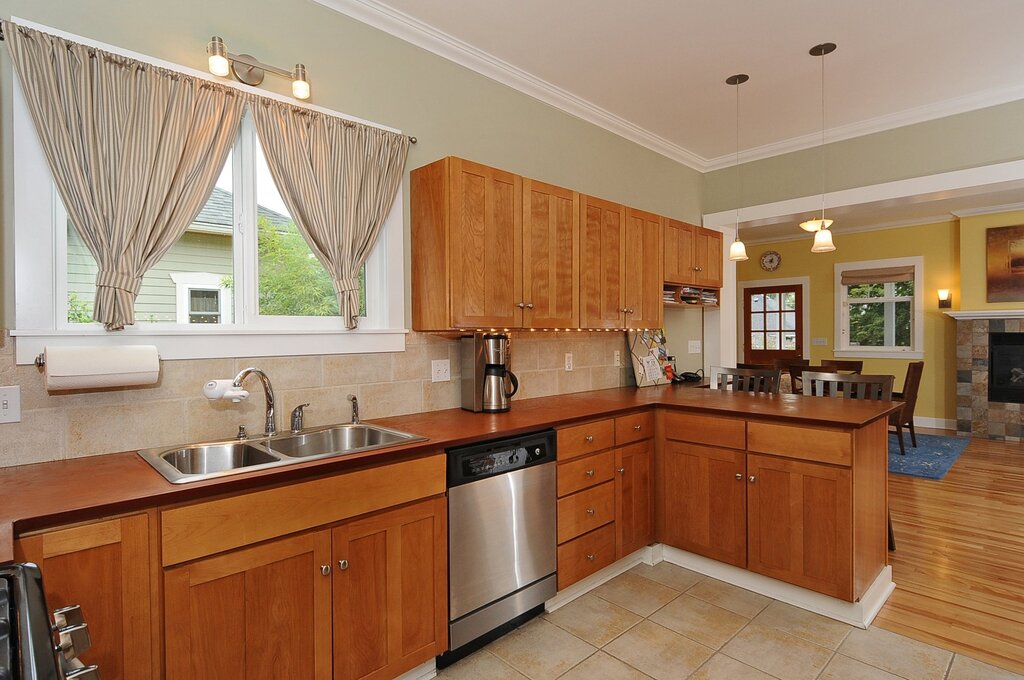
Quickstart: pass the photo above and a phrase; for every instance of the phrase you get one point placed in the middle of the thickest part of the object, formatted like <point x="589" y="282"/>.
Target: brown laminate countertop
<point x="60" y="492"/>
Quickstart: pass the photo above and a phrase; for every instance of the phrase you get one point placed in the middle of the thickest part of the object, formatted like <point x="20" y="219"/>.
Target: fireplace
<point x="1006" y="368"/>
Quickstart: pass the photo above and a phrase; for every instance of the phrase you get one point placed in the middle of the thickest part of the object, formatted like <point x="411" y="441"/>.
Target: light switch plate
<point x="10" y="404"/>
<point x="568" y="361"/>
<point x="819" y="342"/>
<point x="618" y="357"/>
<point x="440" y="370"/>
<point x="693" y="347"/>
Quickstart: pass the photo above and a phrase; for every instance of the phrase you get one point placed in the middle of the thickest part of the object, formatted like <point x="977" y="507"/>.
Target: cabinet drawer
<point x="585" y="555"/>
<point x="580" y="440"/>
<point x="700" y="429"/>
<point x="825" y="445"/>
<point x="585" y="511"/>
<point x="634" y="427"/>
<point x="581" y="473"/>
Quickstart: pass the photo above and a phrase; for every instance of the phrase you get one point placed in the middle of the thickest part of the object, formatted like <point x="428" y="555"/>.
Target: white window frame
<point x="40" y="247"/>
<point x="186" y="282"/>
<point x="843" y="349"/>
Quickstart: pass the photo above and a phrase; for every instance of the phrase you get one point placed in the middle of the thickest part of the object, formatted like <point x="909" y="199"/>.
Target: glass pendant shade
<point x="218" y="61"/>
<point x="738" y="251"/>
<point x="300" y="86"/>
<point x="823" y="241"/>
<point x="815" y="225"/>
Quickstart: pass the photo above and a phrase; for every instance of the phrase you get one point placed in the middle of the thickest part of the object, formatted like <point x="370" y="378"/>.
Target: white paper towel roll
<point x="77" y="368"/>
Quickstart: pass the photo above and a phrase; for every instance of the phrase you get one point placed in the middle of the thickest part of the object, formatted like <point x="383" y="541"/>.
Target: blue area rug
<point x="931" y="459"/>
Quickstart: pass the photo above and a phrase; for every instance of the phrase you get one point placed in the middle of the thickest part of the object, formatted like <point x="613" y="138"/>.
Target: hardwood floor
<point x="959" y="560"/>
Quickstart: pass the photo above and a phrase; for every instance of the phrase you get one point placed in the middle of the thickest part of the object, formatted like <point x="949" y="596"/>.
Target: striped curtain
<point x="338" y="179"/>
<point x="134" y="150"/>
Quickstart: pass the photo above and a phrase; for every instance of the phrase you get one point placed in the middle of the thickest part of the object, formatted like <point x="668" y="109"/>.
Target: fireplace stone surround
<point x="976" y="414"/>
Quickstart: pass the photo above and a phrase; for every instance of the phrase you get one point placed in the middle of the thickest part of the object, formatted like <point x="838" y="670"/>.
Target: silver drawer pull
<point x="589" y="438"/>
<point x="753" y="479"/>
<point x="591" y="558"/>
<point x="325" y="569"/>
<point x="590" y="512"/>
<point x="739" y="476"/>
<point x="621" y="471"/>
<point x="343" y="564"/>
<point x="589" y="473"/>
<point x="636" y="428"/>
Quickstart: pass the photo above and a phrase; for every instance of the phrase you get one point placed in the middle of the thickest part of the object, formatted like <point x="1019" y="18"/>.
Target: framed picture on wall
<point x="1004" y="263"/>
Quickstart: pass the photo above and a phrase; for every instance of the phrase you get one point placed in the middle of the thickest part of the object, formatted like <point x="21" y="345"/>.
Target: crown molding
<point x="425" y="36"/>
<point x="989" y="210"/>
<point x="800" y="235"/>
<point x="410" y="29"/>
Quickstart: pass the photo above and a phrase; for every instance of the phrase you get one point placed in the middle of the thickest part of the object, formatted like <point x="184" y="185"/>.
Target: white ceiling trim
<point x="800" y="235"/>
<point x="990" y="210"/>
<point x="412" y="30"/>
<point x="889" y="121"/>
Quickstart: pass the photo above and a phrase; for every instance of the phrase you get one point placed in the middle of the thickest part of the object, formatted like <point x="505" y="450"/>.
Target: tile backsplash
<point x="62" y="425"/>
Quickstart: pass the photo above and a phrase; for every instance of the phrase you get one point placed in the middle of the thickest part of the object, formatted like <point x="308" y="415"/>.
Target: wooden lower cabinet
<point x="391" y="591"/>
<point x="634" y="518"/>
<point x="704" y="494"/>
<point x="800" y="519"/>
<point x="585" y="555"/>
<point x="260" y="612"/>
<point x="105" y="567"/>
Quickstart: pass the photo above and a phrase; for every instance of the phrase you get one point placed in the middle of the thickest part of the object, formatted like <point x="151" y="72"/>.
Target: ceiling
<point x="655" y="70"/>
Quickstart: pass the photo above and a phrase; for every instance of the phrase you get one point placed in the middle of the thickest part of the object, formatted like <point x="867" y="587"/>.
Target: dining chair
<point x="848" y="386"/>
<point x="762" y="367"/>
<point x="836" y="365"/>
<point x="796" y="372"/>
<point x="757" y="380"/>
<point x="905" y="416"/>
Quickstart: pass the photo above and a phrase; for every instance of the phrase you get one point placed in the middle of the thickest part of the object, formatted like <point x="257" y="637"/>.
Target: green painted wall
<point x="363" y="72"/>
<point x="967" y="140"/>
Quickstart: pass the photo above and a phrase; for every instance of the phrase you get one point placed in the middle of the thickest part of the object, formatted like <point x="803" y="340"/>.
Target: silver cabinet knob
<point x="739" y="476"/>
<point x="636" y="428"/>
<point x="343" y="564"/>
<point x="752" y="479"/>
<point x="325" y="569"/>
<point x="589" y="438"/>
<point x="521" y="305"/>
<point x="621" y="471"/>
<point x="590" y="512"/>
<point x="529" y="305"/>
<point x="591" y="558"/>
<point x="74" y="640"/>
<point x="589" y="473"/>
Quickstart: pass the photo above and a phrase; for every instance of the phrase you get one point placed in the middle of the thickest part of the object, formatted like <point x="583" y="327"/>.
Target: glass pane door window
<point x="773" y="324"/>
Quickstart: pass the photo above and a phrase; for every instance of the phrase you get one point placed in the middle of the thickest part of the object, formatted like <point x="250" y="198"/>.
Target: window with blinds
<point x="878" y="306"/>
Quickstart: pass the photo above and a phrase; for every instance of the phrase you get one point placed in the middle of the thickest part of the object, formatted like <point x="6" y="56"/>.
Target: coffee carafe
<point x="487" y="383"/>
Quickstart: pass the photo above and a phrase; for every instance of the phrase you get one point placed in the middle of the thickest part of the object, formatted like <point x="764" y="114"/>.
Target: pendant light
<point x="738" y="251"/>
<point x="822" y="236"/>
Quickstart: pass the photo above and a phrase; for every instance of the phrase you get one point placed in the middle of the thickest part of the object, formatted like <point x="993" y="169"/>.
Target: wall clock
<point x="770" y="260"/>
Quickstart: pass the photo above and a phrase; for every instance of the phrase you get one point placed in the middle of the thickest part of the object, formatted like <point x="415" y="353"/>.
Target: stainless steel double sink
<point x="197" y="462"/>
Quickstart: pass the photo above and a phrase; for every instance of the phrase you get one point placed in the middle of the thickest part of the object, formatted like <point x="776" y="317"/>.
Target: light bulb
<point x="823" y="242"/>
<point x="300" y="86"/>
<point x="738" y="251"/>
<point x="218" y="61"/>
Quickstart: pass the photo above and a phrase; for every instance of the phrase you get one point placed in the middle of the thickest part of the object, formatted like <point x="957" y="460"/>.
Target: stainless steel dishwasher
<point x="501" y="536"/>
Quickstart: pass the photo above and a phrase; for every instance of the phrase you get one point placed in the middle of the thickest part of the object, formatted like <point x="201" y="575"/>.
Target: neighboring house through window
<point x="879" y="311"/>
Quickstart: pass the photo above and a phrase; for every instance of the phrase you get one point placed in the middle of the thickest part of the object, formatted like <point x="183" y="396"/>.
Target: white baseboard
<point x="858" y="614"/>
<point x="936" y="423"/>
<point x="583" y="587"/>
<point x="424" y="671"/>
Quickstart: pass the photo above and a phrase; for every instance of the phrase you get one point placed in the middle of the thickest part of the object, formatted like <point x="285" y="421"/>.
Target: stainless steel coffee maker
<point x="487" y="383"/>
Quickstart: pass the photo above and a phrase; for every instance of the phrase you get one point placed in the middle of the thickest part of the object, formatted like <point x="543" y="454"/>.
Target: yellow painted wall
<point x="972" y="259"/>
<point x="937" y="243"/>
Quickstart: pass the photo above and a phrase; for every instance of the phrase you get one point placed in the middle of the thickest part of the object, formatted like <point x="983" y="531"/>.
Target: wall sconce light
<point x="945" y="299"/>
<point x="250" y="70"/>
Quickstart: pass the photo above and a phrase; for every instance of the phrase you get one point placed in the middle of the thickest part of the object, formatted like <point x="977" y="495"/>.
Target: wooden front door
<point x="773" y="324"/>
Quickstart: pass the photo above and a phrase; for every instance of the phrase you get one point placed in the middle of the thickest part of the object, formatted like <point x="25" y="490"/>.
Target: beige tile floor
<point x="665" y="622"/>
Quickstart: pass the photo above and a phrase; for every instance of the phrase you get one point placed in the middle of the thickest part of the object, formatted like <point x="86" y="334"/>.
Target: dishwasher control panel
<point x="479" y="461"/>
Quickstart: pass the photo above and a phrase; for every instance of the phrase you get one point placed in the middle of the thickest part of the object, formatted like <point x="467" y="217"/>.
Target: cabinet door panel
<point x="642" y="275"/>
<point x="679" y="252"/>
<point x="634" y="519"/>
<point x="708" y="258"/>
<point x="260" y="612"/>
<point x="801" y="524"/>
<point x="551" y="256"/>
<point x="105" y="568"/>
<point x="485" y="233"/>
<point x="601" y="292"/>
<point x="704" y="496"/>
<point x="390" y="600"/>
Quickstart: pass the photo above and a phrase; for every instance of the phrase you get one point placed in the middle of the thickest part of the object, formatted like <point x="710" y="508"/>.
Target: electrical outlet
<point x="440" y="370"/>
<point x="10" y="404"/>
<point x="618" y="357"/>
<point x="568" y="361"/>
<point x="819" y="342"/>
<point x="693" y="347"/>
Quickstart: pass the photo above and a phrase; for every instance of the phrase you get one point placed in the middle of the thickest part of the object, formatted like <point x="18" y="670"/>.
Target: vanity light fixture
<point x="945" y="299"/>
<point x="822" y="236"/>
<point x="738" y="251"/>
<point x="250" y="70"/>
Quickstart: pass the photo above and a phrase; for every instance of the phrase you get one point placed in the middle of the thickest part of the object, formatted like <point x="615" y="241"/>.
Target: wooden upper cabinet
<point x="634" y="517"/>
<point x="551" y="256"/>
<point x="260" y="612"/>
<point x="642" y="275"/>
<point x="800" y="518"/>
<point x="693" y="255"/>
<point x="601" y="278"/>
<point x="466" y="246"/>
<point x="390" y="591"/>
<point x="105" y="567"/>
